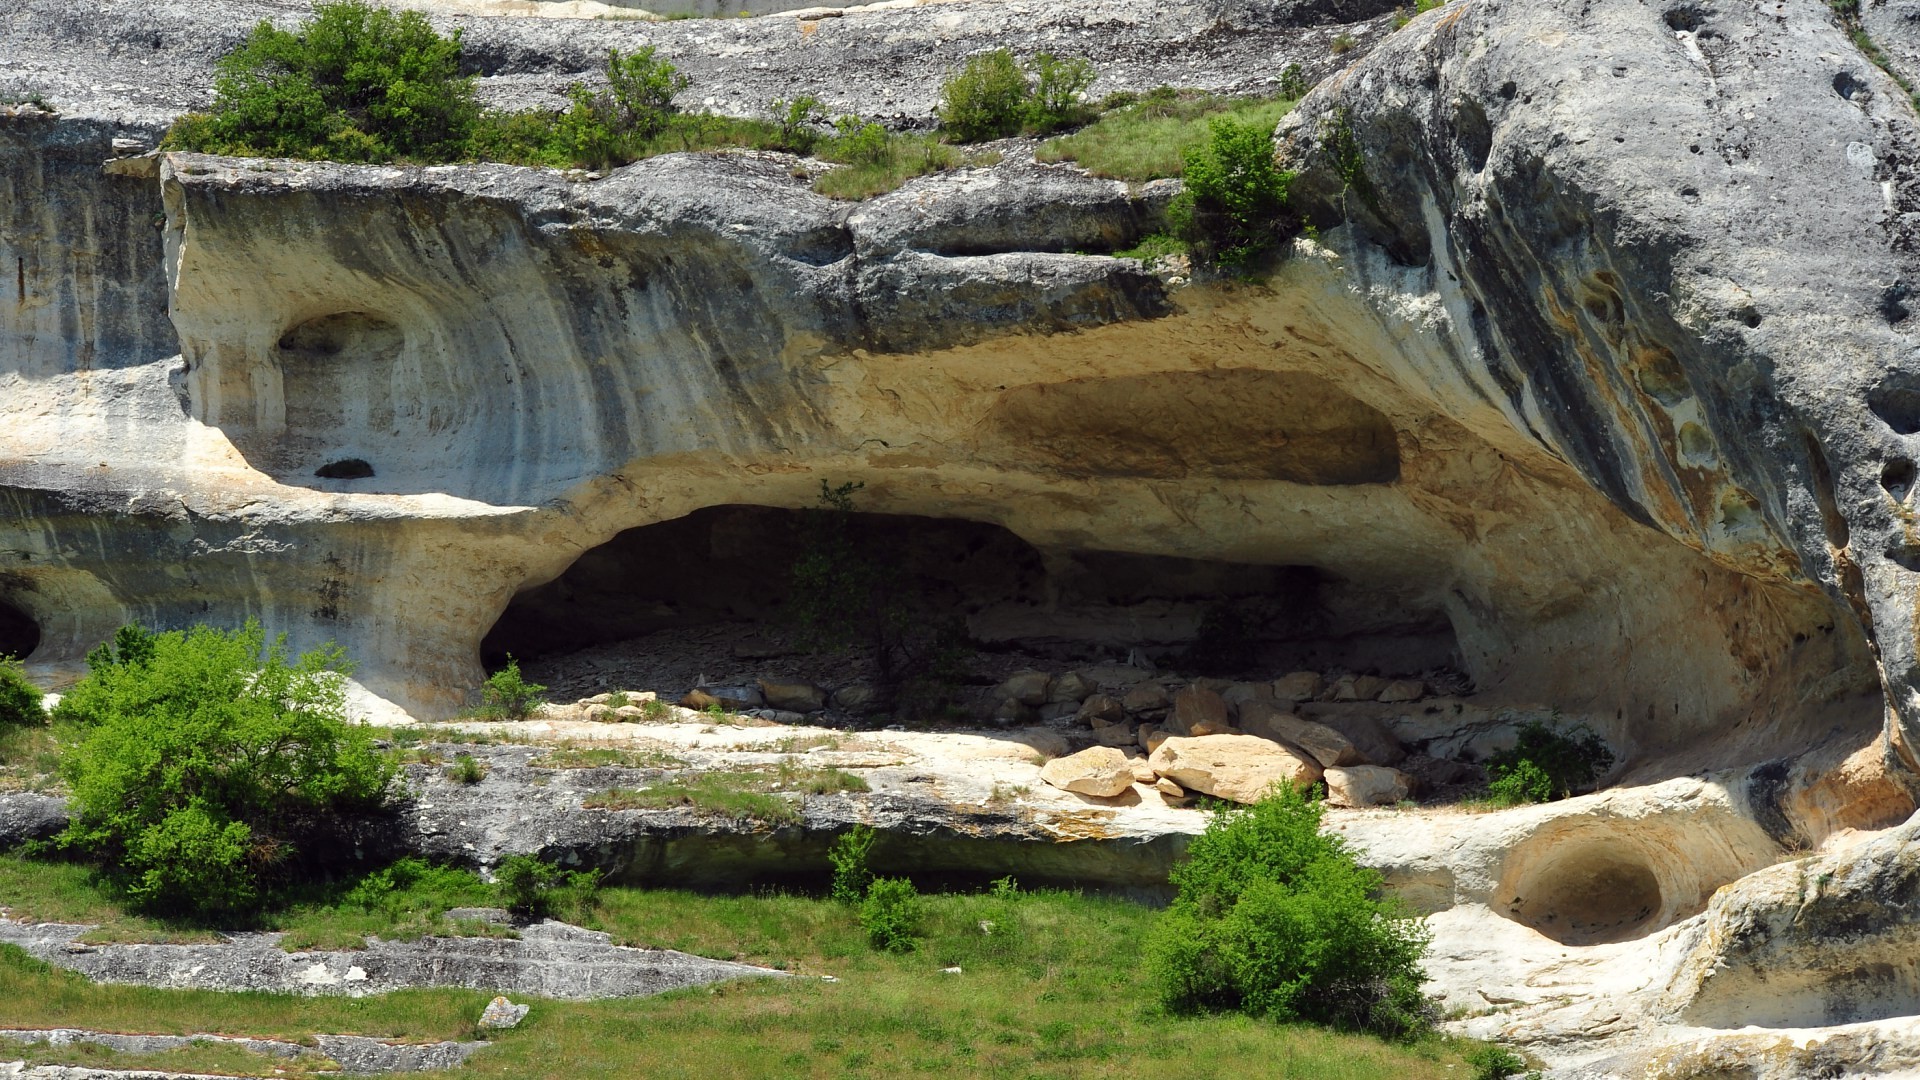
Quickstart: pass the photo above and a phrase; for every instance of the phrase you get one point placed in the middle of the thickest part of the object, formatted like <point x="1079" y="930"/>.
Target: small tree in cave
<point x="851" y="595"/>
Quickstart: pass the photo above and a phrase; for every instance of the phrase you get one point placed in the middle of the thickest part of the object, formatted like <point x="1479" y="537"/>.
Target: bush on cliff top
<point x="358" y="83"/>
<point x="19" y="699"/>
<point x="216" y="767"/>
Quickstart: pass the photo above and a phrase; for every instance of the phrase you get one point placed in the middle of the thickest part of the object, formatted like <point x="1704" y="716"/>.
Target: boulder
<point x="1400" y="691"/>
<point x="1367" y="785"/>
<point x="1208" y="726"/>
<point x="1101" y="709"/>
<point x="1324" y="744"/>
<point x="1172" y="794"/>
<point x="1013" y="711"/>
<point x="1121" y="734"/>
<point x="628" y="713"/>
<point x="601" y="714"/>
<point x="1356" y="688"/>
<point x="1145" y="698"/>
<point x="1199" y="706"/>
<point x="727" y="697"/>
<point x="1361" y="728"/>
<point x="854" y="698"/>
<point x="501" y="1014"/>
<point x="1298" y="686"/>
<point x="1071" y="687"/>
<point x="793" y="697"/>
<point x="1142" y="772"/>
<point x="1241" y="694"/>
<point x="1100" y="771"/>
<point x="1237" y="767"/>
<point x="1026" y="687"/>
<point x="597" y="699"/>
<point x="1055" y="710"/>
<point x="1151" y="737"/>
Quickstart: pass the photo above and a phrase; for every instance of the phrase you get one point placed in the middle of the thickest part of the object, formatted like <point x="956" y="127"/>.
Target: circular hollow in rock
<point x="1590" y="891"/>
<point x="19" y="634"/>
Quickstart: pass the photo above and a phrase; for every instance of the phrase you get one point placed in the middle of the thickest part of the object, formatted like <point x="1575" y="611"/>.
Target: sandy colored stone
<point x="1324" y="744"/>
<point x="1241" y="694"/>
<point x="1366" y="785"/>
<point x="1146" y="697"/>
<point x="1237" y="767"/>
<point x="1402" y="690"/>
<point x="1359" y="726"/>
<point x="1026" y="687"/>
<point x="1298" y="686"/>
<point x="794" y="697"/>
<point x="600" y="713"/>
<point x="1199" y="706"/>
<point x="854" y="698"/>
<point x="1151" y="737"/>
<point x="1101" y="709"/>
<point x="1070" y="687"/>
<point x="1100" y="771"/>
<point x="1121" y="734"/>
<point x="1356" y="688"/>
<point x="1142" y="772"/>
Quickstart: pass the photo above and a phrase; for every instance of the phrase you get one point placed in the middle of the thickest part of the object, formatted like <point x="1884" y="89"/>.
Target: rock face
<point x="1101" y="770"/>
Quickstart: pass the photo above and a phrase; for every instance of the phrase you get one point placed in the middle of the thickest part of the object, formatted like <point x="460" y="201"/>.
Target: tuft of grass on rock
<point x="1146" y="140"/>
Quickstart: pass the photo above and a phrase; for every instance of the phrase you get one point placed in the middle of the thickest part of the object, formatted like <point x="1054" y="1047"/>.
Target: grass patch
<point x="600" y="757"/>
<point x="30" y="755"/>
<point x="1050" y="986"/>
<point x="1156" y="246"/>
<point x="866" y="174"/>
<point x="1145" y="140"/>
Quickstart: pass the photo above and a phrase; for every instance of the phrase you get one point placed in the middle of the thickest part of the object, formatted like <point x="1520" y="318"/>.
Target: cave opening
<point x="1587" y="891"/>
<point x="19" y="634"/>
<point x="708" y="578"/>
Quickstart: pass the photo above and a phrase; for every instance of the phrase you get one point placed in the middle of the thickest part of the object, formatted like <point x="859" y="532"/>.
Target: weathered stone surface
<point x="794" y="697"/>
<point x="501" y="1013"/>
<point x="1237" y="767"/>
<point x="1322" y="743"/>
<point x="1361" y="728"/>
<point x="1071" y="687"/>
<point x="1197" y="706"/>
<point x="1146" y="698"/>
<point x="1101" y="770"/>
<point x="352" y="1053"/>
<point x="1299" y="686"/>
<point x="1402" y="690"/>
<point x="1366" y="785"/>
<point x="1100" y="710"/>
<point x="1027" y="688"/>
<point x="1121" y="734"/>
<point x="549" y="960"/>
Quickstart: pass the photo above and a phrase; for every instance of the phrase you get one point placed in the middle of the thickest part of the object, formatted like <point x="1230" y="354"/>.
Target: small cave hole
<point x="1897" y="477"/>
<point x="345" y="469"/>
<point x="19" y="634"/>
<point x="1893" y="307"/>
<point x="1683" y="19"/>
<point x="1847" y="86"/>
<point x="1897" y="402"/>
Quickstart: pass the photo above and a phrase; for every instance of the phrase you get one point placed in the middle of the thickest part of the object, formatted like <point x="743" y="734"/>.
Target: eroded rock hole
<point x="19" y="634"/>
<point x="728" y="569"/>
<point x="1897" y="402"/>
<point x="1587" y="892"/>
<point x="1847" y="86"/>
<point x="1896" y="476"/>
<point x="344" y="469"/>
<point x="1683" y="19"/>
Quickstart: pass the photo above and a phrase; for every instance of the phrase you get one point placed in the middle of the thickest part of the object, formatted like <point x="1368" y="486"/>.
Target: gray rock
<point x="501" y="1013"/>
<point x="355" y="1054"/>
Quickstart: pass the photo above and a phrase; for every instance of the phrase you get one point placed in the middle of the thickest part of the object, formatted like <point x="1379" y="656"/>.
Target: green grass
<point x="1154" y="246"/>
<point x="30" y="756"/>
<point x="1052" y="989"/>
<point x="595" y="757"/>
<point x="1144" y="140"/>
<point x="907" y="156"/>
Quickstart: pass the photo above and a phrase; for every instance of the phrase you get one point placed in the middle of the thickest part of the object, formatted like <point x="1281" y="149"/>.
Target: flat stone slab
<point x="550" y="959"/>
<point x="353" y="1053"/>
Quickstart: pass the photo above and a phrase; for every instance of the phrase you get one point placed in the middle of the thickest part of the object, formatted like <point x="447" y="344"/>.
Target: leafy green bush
<point x="1293" y="82"/>
<point x="507" y="695"/>
<point x="1058" y="98"/>
<point x="986" y="100"/>
<point x="860" y="142"/>
<point x="1494" y="1062"/>
<point x="891" y="914"/>
<point x="1235" y="204"/>
<point x="851" y="876"/>
<point x="1544" y="764"/>
<point x="1275" y="918"/>
<point x="993" y="96"/>
<point x="395" y="888"/>
<point x="796" y="119"/>
<point x="530" y="886"/>
<point x="19" y="699"/>
<point x="358" y="83"/>
<point x="466" y="769"/>
<point x="216" y="766"/>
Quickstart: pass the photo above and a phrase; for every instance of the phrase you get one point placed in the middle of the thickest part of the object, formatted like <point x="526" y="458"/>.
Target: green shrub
<point x="1544" y="764"/>
<point x="532" y="887"/>
<point x="506" y="695"/>
<point x="1058" y="98"/>
<point x="1234" y="207"/>
<point x="1293" y="82"/>
<point x="1274" y="918"/>
<point x="466" y="770"/>
<point x="891" y="914"/>
<point x="215" y="766"/>
<point x="986" y="100"/>
<point x="405" y="883"/>
<point x="1494" y="1062"/>
<point x="860" y="142"/>
<point x="19" y="699"/>
<point x="796" y="119"/>
<point x="640" y="92"/>
<point x="358" y="83"/>
<point x="851" y="876"/>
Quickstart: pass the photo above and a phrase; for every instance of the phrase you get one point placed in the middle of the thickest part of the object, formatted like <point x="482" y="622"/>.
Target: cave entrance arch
<point x="722" y="573"/>
<point x="19" y="633"/>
